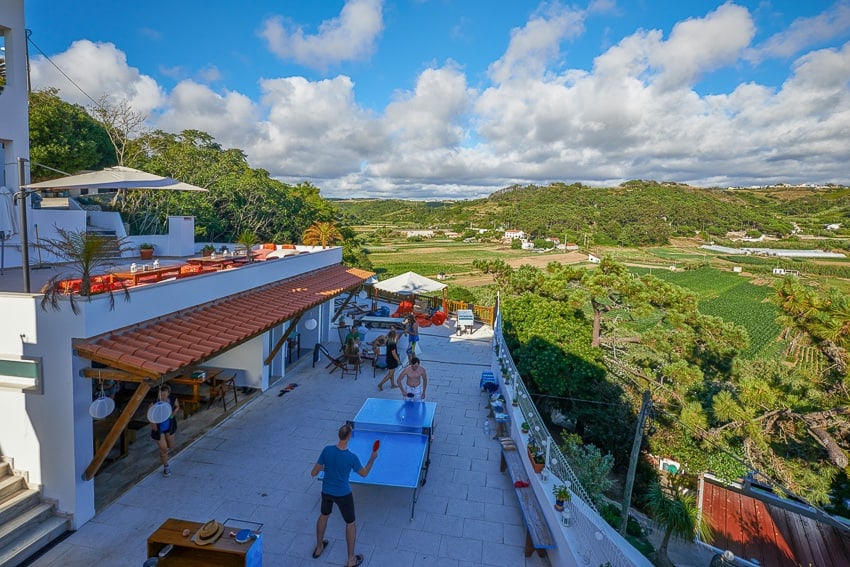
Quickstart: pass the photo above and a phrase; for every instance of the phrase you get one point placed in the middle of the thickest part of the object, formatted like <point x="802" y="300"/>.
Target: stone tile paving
<point x="255" y="466"/>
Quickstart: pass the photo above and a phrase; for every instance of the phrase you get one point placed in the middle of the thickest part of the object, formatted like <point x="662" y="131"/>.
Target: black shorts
<point x="155" y="435"/>
<point x="344" y="503"/>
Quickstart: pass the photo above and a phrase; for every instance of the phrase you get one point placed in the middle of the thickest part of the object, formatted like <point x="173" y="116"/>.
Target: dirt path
<point x="538" y="261"/>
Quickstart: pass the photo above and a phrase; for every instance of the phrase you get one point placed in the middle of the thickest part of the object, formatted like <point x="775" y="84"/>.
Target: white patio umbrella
<point x="118" y="177"/>
<point x="8" y="222"/>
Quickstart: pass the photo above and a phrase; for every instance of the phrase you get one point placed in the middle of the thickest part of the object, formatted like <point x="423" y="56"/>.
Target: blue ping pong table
<point x="405" y="430"/>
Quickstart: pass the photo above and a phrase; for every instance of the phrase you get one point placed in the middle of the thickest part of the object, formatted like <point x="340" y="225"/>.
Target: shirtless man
<point x="413" y="381"/>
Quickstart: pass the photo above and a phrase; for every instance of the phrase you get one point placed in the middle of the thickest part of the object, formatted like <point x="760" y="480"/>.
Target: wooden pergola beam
<point x="114" y="433"/>
<point x="282" y="340"/>
<point x="112" y="374"/>
<point x="343" y="306"/>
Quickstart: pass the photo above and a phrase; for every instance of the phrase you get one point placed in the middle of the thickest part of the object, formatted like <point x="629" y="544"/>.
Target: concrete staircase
<point x="27" y="521"/>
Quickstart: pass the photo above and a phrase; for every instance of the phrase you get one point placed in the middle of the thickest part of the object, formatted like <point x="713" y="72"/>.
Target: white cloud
<point x="350" y="37"/>
<point x="699" y="45"/>
<point x="536" y="44"/>
<point x="98" y="69"/>
<point x="232" y="118"/>
<point x="804" y="33"/>
<point x="634" y="114"/>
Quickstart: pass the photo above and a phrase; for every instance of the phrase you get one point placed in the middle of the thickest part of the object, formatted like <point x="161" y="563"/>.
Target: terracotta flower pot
<point x="535" y="465"/>
<point x="146" y="253"/>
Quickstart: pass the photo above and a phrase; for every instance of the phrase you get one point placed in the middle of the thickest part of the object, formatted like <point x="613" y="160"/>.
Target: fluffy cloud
<point x="636" y="113"/>
<point x="98" y="69"/>
<point x="349" y="37"/>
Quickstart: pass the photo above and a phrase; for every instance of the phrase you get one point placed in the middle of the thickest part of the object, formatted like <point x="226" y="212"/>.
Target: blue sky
<point x="457" y="98"/>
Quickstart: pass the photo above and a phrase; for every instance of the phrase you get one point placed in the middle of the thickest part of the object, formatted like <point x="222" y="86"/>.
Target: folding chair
<point x="333" y="363"/>
<point x="380" y="361"/>
<point x="352" y="366"/>
<point x="343" y="332"/>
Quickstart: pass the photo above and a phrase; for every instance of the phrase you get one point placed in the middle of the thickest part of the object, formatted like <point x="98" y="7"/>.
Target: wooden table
<point x="220" y="262"/>
<point x="380" y="322"/>
<point x="195" y="383"/>
<point x="224" y="552"/>
<point x="148" y="276"/>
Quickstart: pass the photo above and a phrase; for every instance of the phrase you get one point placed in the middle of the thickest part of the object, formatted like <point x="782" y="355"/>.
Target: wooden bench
<point x="538" y="535"/>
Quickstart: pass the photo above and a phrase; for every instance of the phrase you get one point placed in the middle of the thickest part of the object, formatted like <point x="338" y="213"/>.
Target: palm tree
<point x="321" y="232"/>
<point x="85" y="254"/>
<point x="247" y="239"/>
<point x="677" y="512"/>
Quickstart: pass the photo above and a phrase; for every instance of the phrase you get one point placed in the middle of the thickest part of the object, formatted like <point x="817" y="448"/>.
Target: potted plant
<point x="562" y="494"/>
<point x="524" y="427"/>
<point x="247" y="239"/>
<point x="536" y="457"/>
<point x="146" y="250"/>
<point x="207" y="250"/>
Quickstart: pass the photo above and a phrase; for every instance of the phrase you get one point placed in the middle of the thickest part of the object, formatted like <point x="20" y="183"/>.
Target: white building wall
<point x="14" y="119"/>
<point x="50" y="435"/>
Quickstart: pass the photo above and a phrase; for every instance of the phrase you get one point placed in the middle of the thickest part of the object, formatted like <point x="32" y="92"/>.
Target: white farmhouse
<point x="514" y="234"/>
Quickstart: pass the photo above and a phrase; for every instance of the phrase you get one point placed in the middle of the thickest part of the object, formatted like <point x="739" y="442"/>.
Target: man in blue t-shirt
<point x="338" y="462"/>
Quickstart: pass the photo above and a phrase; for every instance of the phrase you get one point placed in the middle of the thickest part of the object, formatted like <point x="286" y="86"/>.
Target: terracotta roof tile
<point x="171" y="342"/>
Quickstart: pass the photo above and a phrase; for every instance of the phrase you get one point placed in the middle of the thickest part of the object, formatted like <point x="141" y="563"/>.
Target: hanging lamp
<point x="102" y="406"/>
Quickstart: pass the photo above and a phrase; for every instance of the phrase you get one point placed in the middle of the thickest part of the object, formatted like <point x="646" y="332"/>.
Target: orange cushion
<point x="269" y="246"/>
<point x="287" y="246"/>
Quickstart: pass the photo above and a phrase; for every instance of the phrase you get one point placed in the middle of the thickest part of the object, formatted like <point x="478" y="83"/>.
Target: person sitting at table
<point x="362" y="329"/>
<point x="351" y="349"/>
<point x="378" y="343"/>
<point x="355" y="335"/>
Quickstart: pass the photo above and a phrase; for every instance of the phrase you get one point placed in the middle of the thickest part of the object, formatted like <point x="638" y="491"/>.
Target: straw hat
<point x="209" y="533"/>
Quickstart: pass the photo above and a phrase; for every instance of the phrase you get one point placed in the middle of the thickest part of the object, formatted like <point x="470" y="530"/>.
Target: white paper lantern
<point x="362" y="294"/>
<point x="159" y="412"/>
<point x="311" y="324"/>
<point x="101" y="407"/>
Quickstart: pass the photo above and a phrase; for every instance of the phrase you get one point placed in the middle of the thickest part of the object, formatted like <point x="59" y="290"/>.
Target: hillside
<point x="636" y="213"/>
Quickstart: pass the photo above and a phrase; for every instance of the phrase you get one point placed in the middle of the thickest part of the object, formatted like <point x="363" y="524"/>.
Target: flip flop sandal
<point x="358" y="559"/>
<point x="324" y="546"/>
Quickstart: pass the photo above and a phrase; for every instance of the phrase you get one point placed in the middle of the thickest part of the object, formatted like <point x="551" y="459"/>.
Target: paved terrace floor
<point x="256" y="465"/>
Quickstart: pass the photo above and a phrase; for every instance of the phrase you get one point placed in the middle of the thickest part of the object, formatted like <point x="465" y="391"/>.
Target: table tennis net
<point x="388" y="428"/>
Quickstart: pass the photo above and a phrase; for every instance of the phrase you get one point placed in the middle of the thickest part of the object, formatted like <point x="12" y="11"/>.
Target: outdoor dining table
<point x="374" y="322"/>
<point x="219" y="262"/>
<point x="148" y="275"/>
<point x="194" y="379"/>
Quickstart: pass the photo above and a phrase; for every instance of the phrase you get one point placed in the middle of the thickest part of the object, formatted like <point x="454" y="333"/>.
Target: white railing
<point x="589" y="539"/>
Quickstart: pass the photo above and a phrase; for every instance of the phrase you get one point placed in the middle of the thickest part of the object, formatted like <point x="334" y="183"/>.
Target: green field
<point x="723" y="294"/>
<point x="733" y="298"/>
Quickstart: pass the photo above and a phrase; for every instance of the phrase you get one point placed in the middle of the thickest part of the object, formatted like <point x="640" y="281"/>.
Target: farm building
<point x="513" y="234"/>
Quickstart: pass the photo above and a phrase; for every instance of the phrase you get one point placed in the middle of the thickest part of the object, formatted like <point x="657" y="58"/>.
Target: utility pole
<point x="646" y="403"/>
<point x="21" y="196"/>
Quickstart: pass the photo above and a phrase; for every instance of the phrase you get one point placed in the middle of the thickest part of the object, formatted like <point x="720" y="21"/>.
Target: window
<point x="2" y="59"/>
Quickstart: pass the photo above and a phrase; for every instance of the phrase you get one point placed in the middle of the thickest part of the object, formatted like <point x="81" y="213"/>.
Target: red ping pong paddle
<point x="376" y="445"/>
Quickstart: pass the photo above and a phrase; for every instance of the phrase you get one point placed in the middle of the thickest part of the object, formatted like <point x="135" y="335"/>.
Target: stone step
<point x="9" y="485"/>
<point x="17" y="503"/>
<point x="26" y="543"/>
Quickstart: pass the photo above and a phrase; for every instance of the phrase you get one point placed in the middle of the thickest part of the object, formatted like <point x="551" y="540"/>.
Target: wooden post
<point x="630" y="477"/>
<point x="111" y="437"/>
